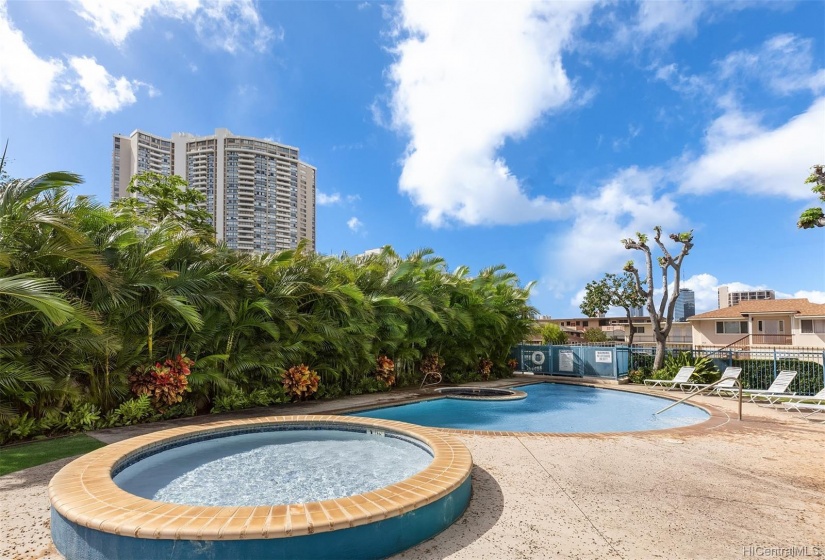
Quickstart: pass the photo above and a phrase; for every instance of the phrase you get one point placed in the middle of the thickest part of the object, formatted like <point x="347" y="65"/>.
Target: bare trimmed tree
<point x="645" y="288"/>
<point x="612" y="291"/>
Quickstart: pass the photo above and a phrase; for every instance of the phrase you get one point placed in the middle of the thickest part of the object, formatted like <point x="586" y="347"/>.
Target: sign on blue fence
<point x="535" y="359"/>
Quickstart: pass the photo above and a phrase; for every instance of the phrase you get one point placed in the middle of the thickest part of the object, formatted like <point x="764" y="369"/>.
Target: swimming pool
<point x="273" y="488"/>
<point x="549" y="407"/>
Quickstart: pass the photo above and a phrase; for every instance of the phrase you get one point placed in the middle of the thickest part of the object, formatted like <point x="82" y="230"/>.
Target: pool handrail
<point x="436" y="376"/>
<point x="738" y="384"/>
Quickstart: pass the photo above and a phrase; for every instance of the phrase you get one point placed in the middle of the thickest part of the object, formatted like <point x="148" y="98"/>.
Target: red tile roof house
<point x="762" y="323"/>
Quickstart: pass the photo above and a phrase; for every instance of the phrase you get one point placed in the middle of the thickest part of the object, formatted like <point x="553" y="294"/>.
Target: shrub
<point x="329" y="391"/>
<point x="636" y="376"/>
<point x="22" y="427"/>
<point x="300" y="382"/>
<point x="369" y="385"/>
<point x="180" y="410"/>
<point x="52" y="421"/>
<point x="594" y="334"/>
<point x="385" y="370"/>
<point x="705" y="371"/>
<point x="259" y="397"/>
<point x="236" y="399"/>
<point x="164" y="384"/>
<point x="432" y="363"/>
<point x="133" y="411"/>
<point x="83" y="417"/>
<point x="512" y="364"/>
<point x="642" y="362"/>
<point x="551" y="333"/>
<point x="758" y="374"/>
<point x="485" y="366"/>
<point x="460" y="377"/>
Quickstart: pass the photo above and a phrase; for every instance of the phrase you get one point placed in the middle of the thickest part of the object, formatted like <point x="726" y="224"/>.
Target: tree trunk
<point x="659" y="360"/>
<point x="630" y="324"/>
<point x="151" y="332"/>
<point x="106" y="378"/>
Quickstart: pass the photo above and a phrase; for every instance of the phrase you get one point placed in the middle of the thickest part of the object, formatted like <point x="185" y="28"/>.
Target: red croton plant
<point x="300" y="382"/>
<point x="164" y="383"/>
<point x="431" y="364"/>
<point x="385" y="370"/>
<point x="485" y="366"/>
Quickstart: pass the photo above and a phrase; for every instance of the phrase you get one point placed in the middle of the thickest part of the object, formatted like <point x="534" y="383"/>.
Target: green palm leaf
<point x="41" y="295"/>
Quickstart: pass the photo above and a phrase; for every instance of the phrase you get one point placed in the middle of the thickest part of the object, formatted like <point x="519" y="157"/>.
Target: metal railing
<point x="735" y="345"/>
<point x="702" y="390"/>
<point x="780" y="339"/>
<point x="671" y="339"/>
<point x="433" y="377"/>
<point x="760" y="367"/>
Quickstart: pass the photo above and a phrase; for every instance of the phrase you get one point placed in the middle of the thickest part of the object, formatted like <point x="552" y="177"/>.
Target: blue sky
<point x="531" y="134"/>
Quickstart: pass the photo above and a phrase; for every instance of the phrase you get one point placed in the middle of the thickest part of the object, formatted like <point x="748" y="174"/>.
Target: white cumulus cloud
<point x="103" y="92"/>
<point x="355" y="225"/>
<point x="467" y="77"/>
<point x="742" y="155"/>
<point x="49" y="85"/>
<point x="116" y="20"/>
<point x="628" y="203"/>
<point x="324" y="199"/>
<point x="814" y="296"/>
<point x="23" y="73"/>
<point x="230" y="25"/>
<point x="705" y="287"/>
<point x="784" y="63"/>
<point x="668" y="20"/>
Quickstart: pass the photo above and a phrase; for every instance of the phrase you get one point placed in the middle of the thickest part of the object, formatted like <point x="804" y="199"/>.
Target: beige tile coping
<point x="84" y="493"/>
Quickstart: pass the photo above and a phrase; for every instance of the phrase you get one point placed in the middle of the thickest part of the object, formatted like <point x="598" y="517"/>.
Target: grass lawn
<point x="27" y="455"/>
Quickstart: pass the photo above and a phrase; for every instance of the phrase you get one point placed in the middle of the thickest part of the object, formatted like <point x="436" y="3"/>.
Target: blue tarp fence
<point x="759" y="367"/>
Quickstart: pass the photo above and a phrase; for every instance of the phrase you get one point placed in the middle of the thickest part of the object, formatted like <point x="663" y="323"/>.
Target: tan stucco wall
<point x="766" y="318"/>
<point x="704" y="334"/>
<point x="808" y="340"/>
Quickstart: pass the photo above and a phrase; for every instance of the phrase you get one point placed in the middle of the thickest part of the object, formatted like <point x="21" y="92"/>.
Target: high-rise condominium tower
<point x="260" y="196"/>
<point x="728" y="298"/>
<point x="685" y="305"/>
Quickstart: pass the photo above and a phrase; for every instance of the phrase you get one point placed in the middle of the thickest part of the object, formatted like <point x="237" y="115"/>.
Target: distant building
<point x="766" y="322"/>
<point x="728" y="298"/>
<point x="685" y="305"/>
<point x="370" y="252"/>
<point x="260" y="195"/>
<point x="617" y="329"/>
<point x="638" y="311"/>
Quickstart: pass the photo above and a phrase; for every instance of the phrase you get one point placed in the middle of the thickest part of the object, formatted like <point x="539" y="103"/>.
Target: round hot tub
<point x="281" y="487"/>
<point x="482" y="393"/>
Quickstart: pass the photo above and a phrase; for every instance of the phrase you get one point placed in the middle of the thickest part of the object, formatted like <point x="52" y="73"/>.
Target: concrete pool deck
<point x="726" y="489"/>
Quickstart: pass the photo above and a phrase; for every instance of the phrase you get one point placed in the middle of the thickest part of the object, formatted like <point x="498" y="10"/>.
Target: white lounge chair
<point x="727" y="381"/>
<point x="774" y="393"/>
<point x="681" y="377"/>
<point x="796" y="402"/>
<point x="809" y="410"/>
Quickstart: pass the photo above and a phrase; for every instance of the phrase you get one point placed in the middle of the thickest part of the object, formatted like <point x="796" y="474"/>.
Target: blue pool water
<point x="549" y="407"/>
<point x="283" y="467"/>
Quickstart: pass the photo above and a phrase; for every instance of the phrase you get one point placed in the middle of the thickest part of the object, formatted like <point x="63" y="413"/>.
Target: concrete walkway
<point x="736" y="490"/>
